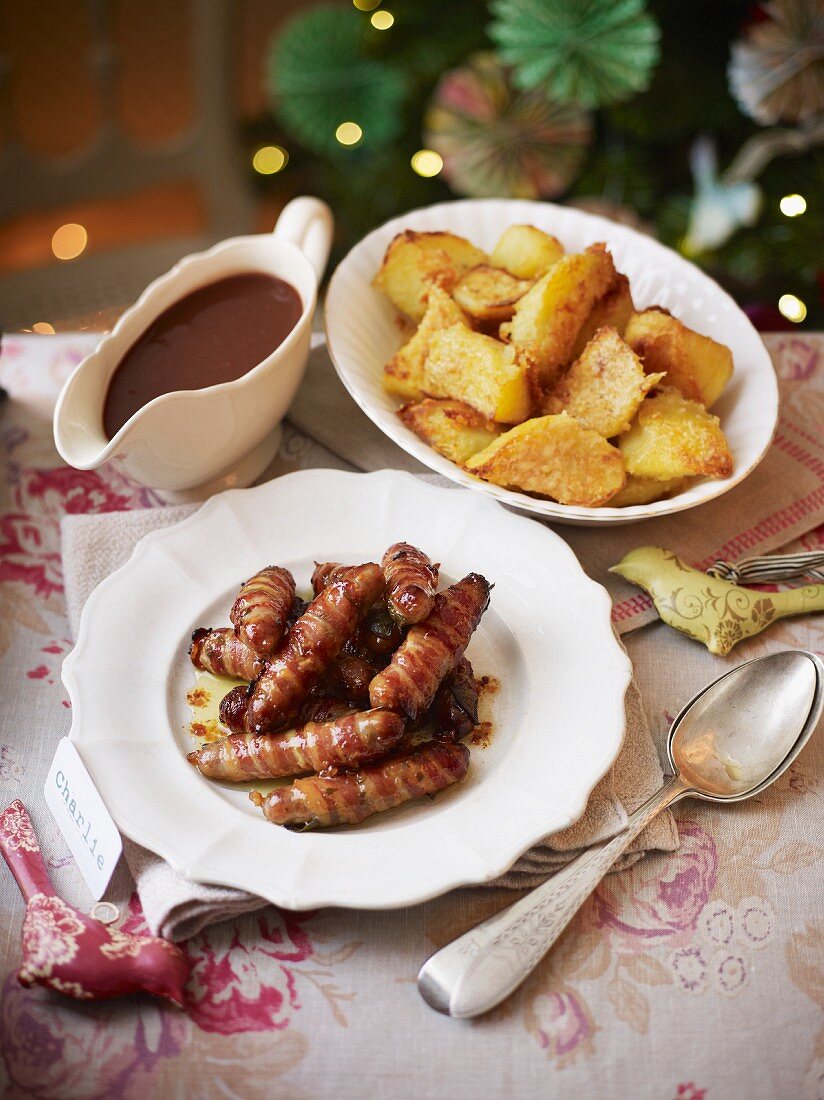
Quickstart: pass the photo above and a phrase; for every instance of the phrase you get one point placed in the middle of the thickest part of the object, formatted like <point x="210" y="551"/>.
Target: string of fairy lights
<point x="268" y="160"/>
<point x="70" y="240"/>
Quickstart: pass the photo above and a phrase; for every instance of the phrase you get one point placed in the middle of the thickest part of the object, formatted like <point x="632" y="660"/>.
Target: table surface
<point x="697" y="974"/>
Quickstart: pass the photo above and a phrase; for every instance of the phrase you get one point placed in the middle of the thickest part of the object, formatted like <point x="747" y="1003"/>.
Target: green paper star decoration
<point x="586" y="52"/>
<point x="318" y="75"/>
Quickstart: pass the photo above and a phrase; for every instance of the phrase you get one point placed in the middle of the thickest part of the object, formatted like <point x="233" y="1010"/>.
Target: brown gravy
<point x="215" y="334"/>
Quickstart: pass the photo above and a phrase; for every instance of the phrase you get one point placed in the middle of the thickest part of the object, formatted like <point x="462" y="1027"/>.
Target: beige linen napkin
<point x="93" y="546"/>
<point x="781" y="500"/>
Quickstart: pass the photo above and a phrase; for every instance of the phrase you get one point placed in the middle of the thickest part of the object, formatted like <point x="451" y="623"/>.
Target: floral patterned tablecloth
<point x="693" y="975"/>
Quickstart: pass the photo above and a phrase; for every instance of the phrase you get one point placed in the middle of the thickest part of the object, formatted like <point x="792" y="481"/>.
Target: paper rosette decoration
<point x="777" y="72"/>
<point x="586" y="52"/>
<point x="497" y="141"/>
<point x="72" y="953"/>
<point x="318" y="75"/>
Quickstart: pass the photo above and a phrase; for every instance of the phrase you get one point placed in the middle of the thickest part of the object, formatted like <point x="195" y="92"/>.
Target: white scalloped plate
<point x="362" y="334"/>
<point x="558" y="715"/>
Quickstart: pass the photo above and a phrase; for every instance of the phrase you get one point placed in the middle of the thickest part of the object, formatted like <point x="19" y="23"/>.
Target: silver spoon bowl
<point x="731" y="741"/>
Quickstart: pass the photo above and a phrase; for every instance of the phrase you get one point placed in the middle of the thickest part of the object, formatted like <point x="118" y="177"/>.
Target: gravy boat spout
<point x="189" y="443"/>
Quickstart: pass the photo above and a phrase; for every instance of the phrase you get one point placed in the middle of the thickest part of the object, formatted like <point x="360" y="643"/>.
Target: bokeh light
<point x="69" y="241"/>
<point x="43" y="327"/>
<point x="382" y="20"/>
<point x="426" y="162"/>
<point x="792" y="308"/>
<point x="270" y="159"/>
<point x="366" y="5"/>
<point x="349" y="133"/>
<point x="792" y="205"/>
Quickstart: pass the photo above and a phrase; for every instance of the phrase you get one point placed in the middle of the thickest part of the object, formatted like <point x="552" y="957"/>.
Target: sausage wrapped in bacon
<point x="431" y="649"/>
<point x="221" y="653"/>
<point x="411" y="582"/>
<point x="260" y="614"/>
<point x="319" y="706"/>
<point x="311" y="646"/>
<point x="341" y="742"/>
<point x="322" y="708"/>
<point x="349" y="798"/>
<point x="323" y="574"/>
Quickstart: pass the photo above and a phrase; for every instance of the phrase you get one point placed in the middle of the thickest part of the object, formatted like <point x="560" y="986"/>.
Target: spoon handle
<point x="479" y="969"/>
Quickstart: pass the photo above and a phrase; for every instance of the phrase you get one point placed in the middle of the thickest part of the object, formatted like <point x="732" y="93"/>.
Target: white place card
<point x="82" y="818"/>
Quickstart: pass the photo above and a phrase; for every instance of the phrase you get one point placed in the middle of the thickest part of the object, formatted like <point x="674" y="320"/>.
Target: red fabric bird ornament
<point x="75" y="954"/>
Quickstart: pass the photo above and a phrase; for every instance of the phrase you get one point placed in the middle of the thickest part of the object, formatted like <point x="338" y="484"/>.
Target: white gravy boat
<point x="190" y="443"/>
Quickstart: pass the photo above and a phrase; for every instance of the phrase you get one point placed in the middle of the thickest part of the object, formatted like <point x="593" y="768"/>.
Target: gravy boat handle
<point x="307" y="223"/>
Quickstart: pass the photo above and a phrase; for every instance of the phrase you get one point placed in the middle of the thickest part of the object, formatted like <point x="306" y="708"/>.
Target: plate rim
<point x="560" y="513"/>
<point x="186" y="860"/>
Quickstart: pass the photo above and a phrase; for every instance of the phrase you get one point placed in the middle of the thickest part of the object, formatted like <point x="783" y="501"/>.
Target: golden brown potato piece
<point x="613" y="308"/>
<point x="526" y="252"/>
<point x="556" y="457"/>
<point x="479" y="370"/>
<point x="453" y="428"/>
<point x="415" y="261"/>
<point x="605" y="387"/>
<point x="644" y="490"/>
<point x="696" y="365"/>
<point x="674" y="438"/>
<point x="488" y="294"/>
<point x="404" y="373"/>
<point x="548" y="318"/>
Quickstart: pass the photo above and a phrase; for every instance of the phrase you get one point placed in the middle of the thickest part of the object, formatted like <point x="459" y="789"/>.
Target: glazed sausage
<point x="411" y="582"/>
<point x="347" y="799"/>
<point x="342" y="742"/>
<point x="311" y="646"/>
<point x="221" y="653"/>
<point x="318" y="707"/>
<point x="323" y="574"/>
<point x="454" y="710"/>
<point x="233" y="708"/>
<point x="322" y="708"/>
<point x="431" y="649"/>
<point x="260" y="614"/>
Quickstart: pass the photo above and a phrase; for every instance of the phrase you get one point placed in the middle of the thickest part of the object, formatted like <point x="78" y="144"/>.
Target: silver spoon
<point x="731" y="741"/>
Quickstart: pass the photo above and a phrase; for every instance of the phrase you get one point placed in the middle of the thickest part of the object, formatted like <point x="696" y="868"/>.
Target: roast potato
<point x="673" y="438"/>
<point x="605" y="387"/>
<point x="404" y="373"/>
<point x="453" y="428"/>
<point x="613" y="308"/>
<point x="556" y="457"/>
<point x="526" y="252"/>
<point x="547" y="319"/>
<point x="479" y="370"/>
<point x="644" y="490"/>
<point x="696" y="365"/>
<point x="415" y="261"/>
<point x="488" y="294"/>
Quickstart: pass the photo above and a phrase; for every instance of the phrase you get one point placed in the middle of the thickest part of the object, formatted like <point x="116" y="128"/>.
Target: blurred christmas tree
<point x="702" y="122"/>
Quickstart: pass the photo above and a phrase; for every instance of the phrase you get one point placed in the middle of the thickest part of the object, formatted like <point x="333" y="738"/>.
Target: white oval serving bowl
<point x="558" y="715"/>
<point x="362" y="334"/>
